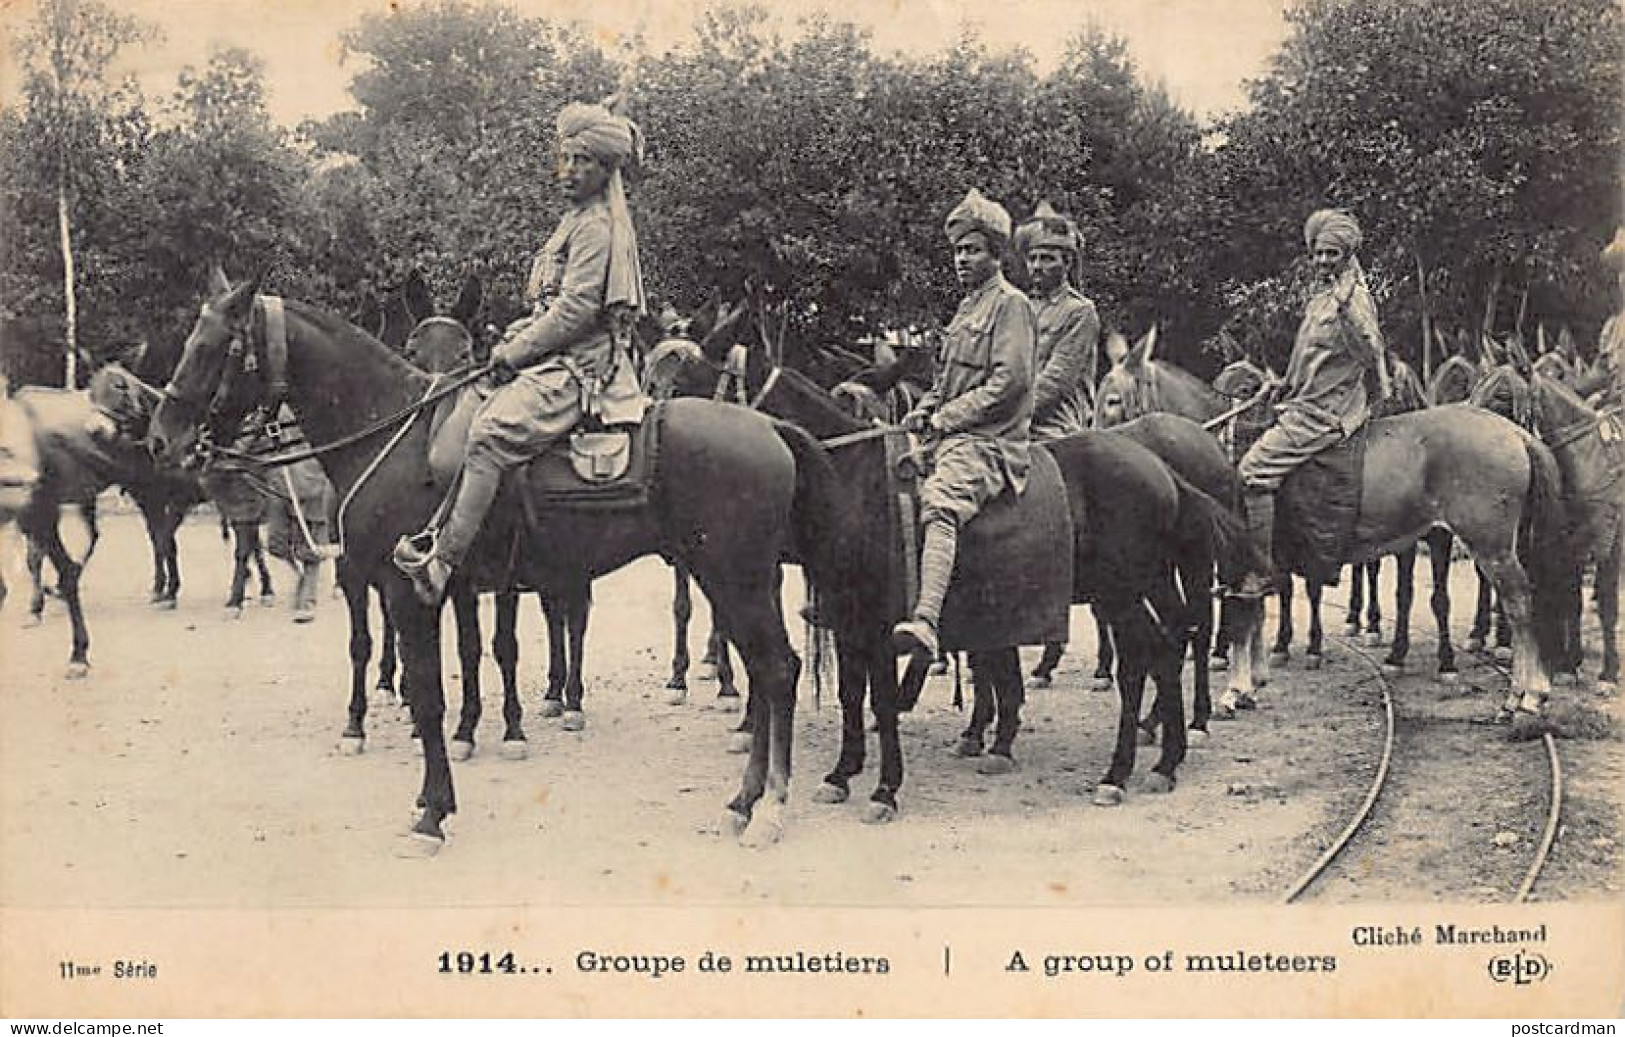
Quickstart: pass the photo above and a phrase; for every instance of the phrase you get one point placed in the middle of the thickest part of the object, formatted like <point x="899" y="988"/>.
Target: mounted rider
<point x="572" y="355"/>
<point x="1611" y="344"/>
<point x="1325" y="399"/>
<point x="1068" y="326"/>
<point x="975" y="419"/>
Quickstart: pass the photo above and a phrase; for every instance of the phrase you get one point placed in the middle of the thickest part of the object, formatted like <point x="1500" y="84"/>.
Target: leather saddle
<point x="591" y="467"/>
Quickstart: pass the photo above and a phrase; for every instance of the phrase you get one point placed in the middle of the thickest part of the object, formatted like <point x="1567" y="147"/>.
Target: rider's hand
<point x="502" y="372"/>
<point x="917" y="420"/>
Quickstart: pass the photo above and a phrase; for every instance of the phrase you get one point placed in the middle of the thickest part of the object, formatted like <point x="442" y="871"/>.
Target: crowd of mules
<point x="801" y="474"/>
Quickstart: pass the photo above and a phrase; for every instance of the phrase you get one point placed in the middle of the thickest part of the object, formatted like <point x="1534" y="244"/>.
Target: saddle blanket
<point x="1317" y="509"/>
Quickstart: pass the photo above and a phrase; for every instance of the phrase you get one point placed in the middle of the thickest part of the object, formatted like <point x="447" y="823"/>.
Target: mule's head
<point x="19" y="458"/>
<point x="220" y="377"/>
<point x="439" y="344"/>
<point x="1125" y="389"/>
<point x="123" y="397"/>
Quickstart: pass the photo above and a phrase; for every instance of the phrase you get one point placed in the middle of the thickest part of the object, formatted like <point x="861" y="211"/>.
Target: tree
<point x="74" y="117"/>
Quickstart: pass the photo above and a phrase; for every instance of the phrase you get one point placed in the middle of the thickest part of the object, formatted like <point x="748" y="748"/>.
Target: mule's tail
<point x="1220" y="528"/>
<point x="1547" y="549"/>
<point x="824" y="534"/>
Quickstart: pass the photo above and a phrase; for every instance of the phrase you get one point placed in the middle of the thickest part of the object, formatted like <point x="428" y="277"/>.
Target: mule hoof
<point x="574" y="720"/>
<point x="1279" y="658"/>
<point x="1392" y="667"/>
<point x="1526" y="727"/>
<point x="766" y="826"/>
<point x="32" y="620"/>
<point x="1503" y="654"/>
<point x="1099" y="683"/>
<point x="740" y="742"/>
<point x="877" y="813"/>
<point x="1351" y="630"/>
<point x="77" y="671"/>
<point x="1372" y="638"/>
<point x="1107" y="795"/>
<point x="729" y="703"/>
<point x="552" y="708"/>
<point x="968" y="746"/>
<point x="1158" y="783"/>
<point x="1608" y="687"/>
<point x="165" y="605"/>
<point x="1475" y="644"/>
<point x="1219" y="662"/>
<point x="678" y="682"/>
<point x="349" y="746"/>
<point x="731" y="824"/>
<point x="1040" y="680"/>
<point x="233" y="612"/>
<point x="268" y="601"/>
<point x="1563" y="679"/>
<point x="515" y="749"/>
<point x="1144" y="737"/>
<point x="1314" y="662"/>
<point x="1449" y="677"/>
<point x="1225" y="708"/>
<point x="676" y="696"/>
<point x="416" y="846"/>
<point x="1196" y="738"/>
<point x="937" y="668"/>
<point x="828" y="792"/>
<point x="705" y="672"/>
<point x="1244" y="700"/>
<point x="459" y="751"/>
<point x="994" y="764"/>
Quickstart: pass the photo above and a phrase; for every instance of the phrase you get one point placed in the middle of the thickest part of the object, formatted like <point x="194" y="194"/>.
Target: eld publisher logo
<point x="1519" y="969"/>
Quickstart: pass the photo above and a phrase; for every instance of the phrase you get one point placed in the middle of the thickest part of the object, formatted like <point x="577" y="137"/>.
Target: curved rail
<point x="1553" y="815"/>
<point x="1324" y="861"/>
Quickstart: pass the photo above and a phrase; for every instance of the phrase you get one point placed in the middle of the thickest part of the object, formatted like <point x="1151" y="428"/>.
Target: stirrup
<point x="412" y="553"/>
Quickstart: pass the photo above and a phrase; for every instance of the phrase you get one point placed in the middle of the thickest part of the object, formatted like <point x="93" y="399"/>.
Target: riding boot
<point x="430" y="575"/>
<point x="1259" y="581"/>
<point x="919" y="634"/>
<point x="304" y="595"/>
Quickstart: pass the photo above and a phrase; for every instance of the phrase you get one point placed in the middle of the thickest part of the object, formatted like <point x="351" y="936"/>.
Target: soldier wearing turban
<point x="975" y="419"/>
<point x="1611" y="345"/>
<point x="571" y="357"/>
<point x="1325" y="399"/>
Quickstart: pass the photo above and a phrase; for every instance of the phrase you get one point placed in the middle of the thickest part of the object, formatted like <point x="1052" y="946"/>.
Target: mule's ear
<point x="218" y="285"/>
<point x="1487" y="351"/>
<point x="1116" y="347"/>
<point x="468" y="301"/>
<point x="1565" y="345"/>
<point x="1520" y="358"/>
<point x="1141" y="352"/>
<point x="885" y="355"/>
<point x="419" y="303"/>
<point x="1540" y="339"/>
<point x="240" y="300"/>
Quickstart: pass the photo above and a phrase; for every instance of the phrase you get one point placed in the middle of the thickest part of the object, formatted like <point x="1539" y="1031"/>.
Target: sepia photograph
<point x="811" y="508"/>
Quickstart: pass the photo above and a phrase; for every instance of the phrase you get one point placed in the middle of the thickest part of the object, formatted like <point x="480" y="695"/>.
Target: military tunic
<point x="569" y="359"/>
<point x="1338" y="341"/>
<point x="981" y="403"/>
<point x="1068" y="333"/>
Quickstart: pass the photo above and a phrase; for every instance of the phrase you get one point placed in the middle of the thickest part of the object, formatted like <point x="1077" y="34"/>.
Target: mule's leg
<point x="172" y="554"/>
<point x="1441" y="542"/>
<point x="751" y="618"/>
<point x="1351" y="625"/>
<point x="505" y="649"/>
<point x="1373" y="620"/>
<point x="1132" y="629"/>
<point x="1282" y="650"/>
<point x="1106" y="661"/>
<point x="1606" y="595"/>
<point x="1199" y="595"/>
<point x="578" y="608"/>
<point x="67" y="569"/>
<point x="267" y="592"/>
<point x="1004" y="669"/>
<point x="36" y="577"/>
<point x="419" y="631"/>
<point x="852" y="681"/>
<point x="245" y="538"/>
<point x="973" y="739"/>
<point x="152" y="517"/>
<point x="465" y="604"/>
<point x="558" y="658"/>
<point x="1315" y="655"/>
<point x="1249" y="659"/>
<point x="387" y="657"/>
<point x="1170" y="710"/>
<point x="356" y="595"/>
<point x="682" y="610"/>
<point x="1478" y="636"/>
<point x="1530" y="684"/>
<point x="717" y="650"/>
<point x="1044" y="672"/>
<point x="1404" y="597"/>
<point x="877" y="659"/>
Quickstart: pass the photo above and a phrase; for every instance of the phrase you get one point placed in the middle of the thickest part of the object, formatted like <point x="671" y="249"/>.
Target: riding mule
<point x="734" y="493"/>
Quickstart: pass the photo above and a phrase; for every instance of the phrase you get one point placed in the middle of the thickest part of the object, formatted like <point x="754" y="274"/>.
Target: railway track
<point x="1357" y="853"/>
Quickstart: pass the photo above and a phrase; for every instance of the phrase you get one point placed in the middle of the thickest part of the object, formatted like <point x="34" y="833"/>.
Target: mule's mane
<point x="353" y="339"/>
<point x="816" y="396"/>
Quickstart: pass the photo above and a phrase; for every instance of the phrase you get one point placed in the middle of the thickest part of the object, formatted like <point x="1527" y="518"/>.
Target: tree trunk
<point x="1427" y="326"/>
<point x="71" y="303"/>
